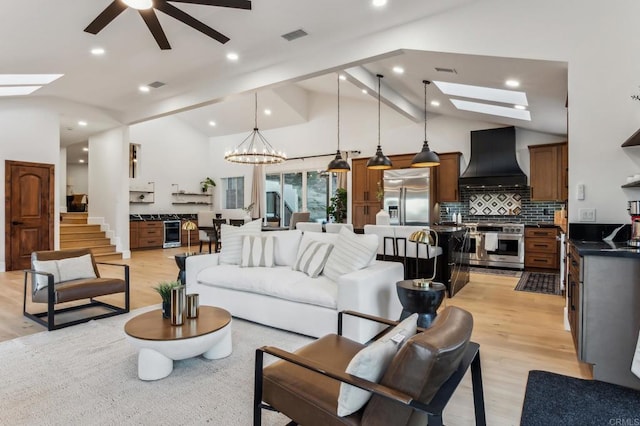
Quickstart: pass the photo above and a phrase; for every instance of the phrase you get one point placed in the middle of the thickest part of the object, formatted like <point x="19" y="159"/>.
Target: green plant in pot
<point x="206" y="183"/>
<point x="337" y="209"/>
<point x="164" y="290"/>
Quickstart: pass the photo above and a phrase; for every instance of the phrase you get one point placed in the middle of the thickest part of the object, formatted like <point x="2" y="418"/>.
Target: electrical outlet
<point x="587" y="215"/>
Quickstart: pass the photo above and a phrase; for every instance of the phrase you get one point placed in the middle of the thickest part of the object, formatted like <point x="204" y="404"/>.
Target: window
<point x="299" y="191"/>
<point x="233" y="192"/>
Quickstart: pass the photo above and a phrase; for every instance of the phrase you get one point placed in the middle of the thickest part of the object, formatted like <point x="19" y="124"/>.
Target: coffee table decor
<point x="164" y="290"/>
<point x="160" y="343"/>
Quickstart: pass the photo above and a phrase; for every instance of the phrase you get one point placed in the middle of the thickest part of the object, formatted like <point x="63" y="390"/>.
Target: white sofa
<point x="288" y="299"/>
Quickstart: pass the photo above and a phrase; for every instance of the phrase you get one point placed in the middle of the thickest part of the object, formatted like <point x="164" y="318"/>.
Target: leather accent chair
<point x="77" y="289"/>
<point x="422" y="377"/>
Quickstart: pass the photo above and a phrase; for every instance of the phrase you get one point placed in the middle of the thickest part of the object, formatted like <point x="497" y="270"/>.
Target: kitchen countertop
<point x="446" y="229"/>
<point x="602" y="248"/>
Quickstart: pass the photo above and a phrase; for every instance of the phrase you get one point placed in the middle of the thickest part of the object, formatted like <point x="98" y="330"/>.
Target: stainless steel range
<point x="496" y="244"/>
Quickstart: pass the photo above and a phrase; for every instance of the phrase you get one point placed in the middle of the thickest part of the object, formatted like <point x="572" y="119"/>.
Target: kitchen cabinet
<point x="133" y="235"/>
<point x="602" y="310"/>
<point x="447" y="174"/>
<point x="364" y="184"/>
<point x="549" y="172"/>
<point x="541" y="248"/>
<point x="150" y="234"/>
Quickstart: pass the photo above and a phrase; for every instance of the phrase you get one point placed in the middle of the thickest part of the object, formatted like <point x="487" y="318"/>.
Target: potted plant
<point x="164" y="290"/>
<point x="206" y="183"/>
<point x="337" y="209"/>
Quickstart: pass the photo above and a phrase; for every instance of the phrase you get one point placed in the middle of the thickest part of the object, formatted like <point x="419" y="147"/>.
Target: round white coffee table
<point x="161" y="343"/>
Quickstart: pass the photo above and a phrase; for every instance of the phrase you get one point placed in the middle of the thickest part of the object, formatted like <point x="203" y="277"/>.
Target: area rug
<point x="554" y="399"/>
<point x="87" y="374"/>
<point x="539" y="282"/>
<point x="495" y="271"/>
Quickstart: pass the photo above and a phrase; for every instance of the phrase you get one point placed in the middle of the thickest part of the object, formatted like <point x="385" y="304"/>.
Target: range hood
<point x="493" y="160"/>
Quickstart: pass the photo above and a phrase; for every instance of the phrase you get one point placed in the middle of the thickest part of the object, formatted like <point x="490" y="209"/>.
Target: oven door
<point x="172" y="234"/>
<point x="472" y="249"/>
<point x="509" y="251"/>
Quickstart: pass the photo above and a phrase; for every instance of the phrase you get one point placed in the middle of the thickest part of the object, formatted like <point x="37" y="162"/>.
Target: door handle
<point x="15" y="222"/>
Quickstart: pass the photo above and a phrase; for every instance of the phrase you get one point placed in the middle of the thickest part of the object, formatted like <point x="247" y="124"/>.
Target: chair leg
<point x="209" y="246"/>
<point x="478" y="393"/>
<point x="200" y="246"/>
<point x="434" y="420"/>
<point x="257" y="391"/>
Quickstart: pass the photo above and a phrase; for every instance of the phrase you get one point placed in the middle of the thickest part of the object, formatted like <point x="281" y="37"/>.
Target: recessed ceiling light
<point x="512" y="83"/>
<point x="212" y="123"/>
<point x="398" y="70"/>
<point x="18" y="90"/>
<point x="82" y="123"/>
<point x="267" y="111"/>
<point x="343" y="77"/>
<point x="435" y="103"/>
<point x="232" y="56"/>
<point x="27" y="79"/>
<point x="379" y="3"/>
<point x="485" y="93"/>
<point x="364" y="91"/>
<point x="519" y="107"/>
<point x="144" y="89"/>
<point x="491" y="109"/>
<point x="97" y="51"/>
<point x="139" y="4"/>
<point x="85" y="149"/>
<point x="80" y="161"/>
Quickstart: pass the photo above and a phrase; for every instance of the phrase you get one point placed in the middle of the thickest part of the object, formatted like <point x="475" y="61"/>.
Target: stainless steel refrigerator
<point x="406" y="196"/>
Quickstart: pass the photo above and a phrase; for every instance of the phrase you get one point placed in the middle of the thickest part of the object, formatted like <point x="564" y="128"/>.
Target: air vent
<point x="156" y="84"/>
<point x="449" y="70"/>
<point x="294" y="34"/>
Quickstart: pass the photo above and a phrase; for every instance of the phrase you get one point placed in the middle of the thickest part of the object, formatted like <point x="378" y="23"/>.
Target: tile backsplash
<point x="499" y="198"/>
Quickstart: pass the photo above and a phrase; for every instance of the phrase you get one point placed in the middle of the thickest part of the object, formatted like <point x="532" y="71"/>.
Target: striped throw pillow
<point x="231" y="238"/>
<point x="257" y="251"/>
<point x="312" y="258"/>
<point x="351" y="253"/>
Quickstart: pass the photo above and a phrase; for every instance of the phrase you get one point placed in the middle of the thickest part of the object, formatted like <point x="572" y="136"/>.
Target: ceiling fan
<point x="146" y="10"/>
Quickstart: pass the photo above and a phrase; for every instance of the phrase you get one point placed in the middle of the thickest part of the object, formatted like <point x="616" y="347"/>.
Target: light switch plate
<point x="587" y="215"/>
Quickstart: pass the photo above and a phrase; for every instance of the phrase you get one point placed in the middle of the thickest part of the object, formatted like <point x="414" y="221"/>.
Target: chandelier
<point x="255" y="149"/>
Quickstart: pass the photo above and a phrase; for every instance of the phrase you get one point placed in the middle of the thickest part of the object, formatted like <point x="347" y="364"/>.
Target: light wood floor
<point x="517" y="331"/>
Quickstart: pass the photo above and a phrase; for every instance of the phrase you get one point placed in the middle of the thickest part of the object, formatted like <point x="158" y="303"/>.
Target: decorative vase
<point x="166" y="309"/>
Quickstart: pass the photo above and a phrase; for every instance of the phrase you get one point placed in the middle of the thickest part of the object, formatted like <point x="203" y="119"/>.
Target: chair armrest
<point x="112" y="264"/>
<point x="341" y="376"/>
<point x="49" y="276"/>
<point x="363" y="316"/>
<point x="195" y="264"/>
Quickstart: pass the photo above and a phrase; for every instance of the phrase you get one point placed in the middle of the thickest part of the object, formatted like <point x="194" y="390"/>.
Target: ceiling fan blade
<point x="152" y="22"/>
<point x="191" y="21"/>
<point x="107" y="15"/>
<point x="236" y="4"/>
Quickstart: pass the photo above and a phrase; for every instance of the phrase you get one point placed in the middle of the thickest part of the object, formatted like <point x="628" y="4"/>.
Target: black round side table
<point x="424" y="301"/>
<point x="181" y="260"/>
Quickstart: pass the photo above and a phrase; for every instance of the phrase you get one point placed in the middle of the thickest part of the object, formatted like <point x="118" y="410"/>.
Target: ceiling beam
<point x="364" y="79"/>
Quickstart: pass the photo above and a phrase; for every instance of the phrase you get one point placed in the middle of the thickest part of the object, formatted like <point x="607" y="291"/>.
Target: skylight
<point x="17" y="90"/>
<point x="512" y="97"/>
<point x="27" y="79"/>
<point x="492" y="109"/>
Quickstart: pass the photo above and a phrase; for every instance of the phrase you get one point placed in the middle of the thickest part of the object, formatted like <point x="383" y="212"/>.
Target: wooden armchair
<point x="70" y="275"/>
<point x="414" y="389"/>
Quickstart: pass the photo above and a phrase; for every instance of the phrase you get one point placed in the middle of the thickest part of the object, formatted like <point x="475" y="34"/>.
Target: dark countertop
<point x="541" y="225"/>
<point x="602" y="248"/>
<point x="445" y="229"/>
<point x="161" y="217"/>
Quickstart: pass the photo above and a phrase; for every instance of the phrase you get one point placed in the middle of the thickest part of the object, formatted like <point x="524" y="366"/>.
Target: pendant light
<point x="379" y="161"/>
<point x="426" y="157"/>
<point x="255" y="149"/>
<point x="338" y="164"/>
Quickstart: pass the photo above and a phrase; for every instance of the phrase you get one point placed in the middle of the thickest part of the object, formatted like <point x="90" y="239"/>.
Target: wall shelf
<point x="140" y="202"/>
<point x="192" y="203"/>
<point x="200" y="194"/>
<point x="635" y="184"/>
<point x="142" y="193"/>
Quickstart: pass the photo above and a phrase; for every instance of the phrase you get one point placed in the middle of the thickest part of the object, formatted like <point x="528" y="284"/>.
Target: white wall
<point x="171" y="152"/>
<point x="78" y="178"/>
<point x="62" y="190"/>
<point x="29" y="133"/>
<point x="109" y="185"/>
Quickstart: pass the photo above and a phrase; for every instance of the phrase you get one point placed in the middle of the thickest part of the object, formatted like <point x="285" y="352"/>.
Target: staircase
<point x="76" y="233"/>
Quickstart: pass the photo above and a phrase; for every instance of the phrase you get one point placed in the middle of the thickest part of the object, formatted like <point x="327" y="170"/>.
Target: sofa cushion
<point x="286" y="246"/>
<point x="257" y="251"/>
<point x="231" y="238"/>
<point x="351" y="253"/>
<point x="279" y="281"/>
<point x="312" y="258"/>
<point x="370" y="364"/>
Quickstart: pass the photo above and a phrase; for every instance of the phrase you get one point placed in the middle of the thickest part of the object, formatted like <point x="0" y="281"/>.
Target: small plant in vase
<point x="164" y="290"/>
<point x="206" y="183"/>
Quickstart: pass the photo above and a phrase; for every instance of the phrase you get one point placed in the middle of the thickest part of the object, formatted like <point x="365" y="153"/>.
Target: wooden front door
<point x="29" y="210"/>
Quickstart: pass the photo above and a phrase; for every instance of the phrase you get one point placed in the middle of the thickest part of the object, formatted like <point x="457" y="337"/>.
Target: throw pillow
<point x="351" y="253"/>
<point x="231" y="238"/>
<point x="312" y="258"/>
<point x="407" y="328"/>
<point x="257" y="251"/>
<point x="370" y="364"/>
<point x="76" y="268"/>
<point x="286" y="246"/>
<point x="49" y="266"/>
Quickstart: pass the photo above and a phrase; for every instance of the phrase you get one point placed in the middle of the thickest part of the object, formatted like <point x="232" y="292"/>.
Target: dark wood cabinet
<point x="447" y="174"/>
<point x="133" y="235"/>
<point x="549" y="172"/>
<point x="364" y="184"/>
<point x="150" y="234"/>
<point x="541" y="248"/>
<point x="574" y="304"/>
